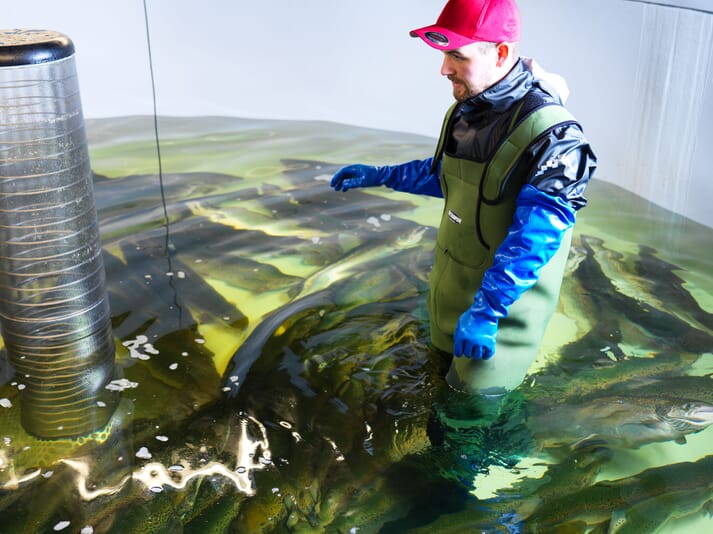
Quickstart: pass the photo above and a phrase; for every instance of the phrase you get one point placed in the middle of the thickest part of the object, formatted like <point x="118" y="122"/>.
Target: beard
<point x="461" y="91"/>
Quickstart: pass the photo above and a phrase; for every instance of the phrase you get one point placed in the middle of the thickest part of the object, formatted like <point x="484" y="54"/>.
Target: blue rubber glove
<point x="358" y="175"/>
<point x="475" y="332"/>
<point x="539" y="224"/>
<point x="412" y="177"/>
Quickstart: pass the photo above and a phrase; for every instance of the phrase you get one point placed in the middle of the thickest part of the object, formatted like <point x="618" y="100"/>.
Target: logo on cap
<point x="436" y="38"/>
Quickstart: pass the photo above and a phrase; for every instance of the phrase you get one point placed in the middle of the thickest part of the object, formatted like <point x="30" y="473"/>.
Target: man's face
<point x="471" y="69"/>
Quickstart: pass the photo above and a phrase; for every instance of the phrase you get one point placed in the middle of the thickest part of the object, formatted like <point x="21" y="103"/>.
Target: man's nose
<point x="446" y="67"/>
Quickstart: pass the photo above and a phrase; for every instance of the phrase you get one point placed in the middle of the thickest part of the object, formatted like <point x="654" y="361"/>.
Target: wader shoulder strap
<point x="442" y="138"/>
<point x="526" y="132"/>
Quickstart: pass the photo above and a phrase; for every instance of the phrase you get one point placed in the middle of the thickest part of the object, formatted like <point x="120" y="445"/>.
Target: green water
<point x="318" y="300"/>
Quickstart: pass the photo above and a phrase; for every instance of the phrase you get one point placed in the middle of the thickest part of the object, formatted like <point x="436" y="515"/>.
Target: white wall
<point x="353" y="62"/>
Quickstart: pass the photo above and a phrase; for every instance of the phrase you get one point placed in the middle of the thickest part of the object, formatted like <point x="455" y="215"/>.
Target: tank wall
<point x="353" y="62"/>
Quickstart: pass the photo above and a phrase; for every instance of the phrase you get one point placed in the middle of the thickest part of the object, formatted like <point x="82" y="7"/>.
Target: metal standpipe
<point x="54" y="308"/>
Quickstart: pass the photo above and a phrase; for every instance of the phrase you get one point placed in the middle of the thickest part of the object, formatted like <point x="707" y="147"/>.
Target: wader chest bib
<point x="479" y="208"/>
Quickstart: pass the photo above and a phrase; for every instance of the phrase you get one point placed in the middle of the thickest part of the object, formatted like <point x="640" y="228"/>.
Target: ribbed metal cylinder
<point x="54" y="309"/>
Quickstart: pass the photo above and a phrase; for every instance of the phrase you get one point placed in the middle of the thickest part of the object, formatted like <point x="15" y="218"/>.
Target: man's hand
<point x="357" y="175"/>
<point x="410" y="177"/>
<point x="474" y="336"/>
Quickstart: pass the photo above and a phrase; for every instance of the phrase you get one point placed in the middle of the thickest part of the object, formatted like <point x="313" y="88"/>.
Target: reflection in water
<point x="251" y="455"/>
<point x="81" y="480"/>
<point x="275" y="373"/>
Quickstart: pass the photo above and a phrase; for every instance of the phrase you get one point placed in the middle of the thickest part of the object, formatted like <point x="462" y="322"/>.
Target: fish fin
<point x="591" y="442"/>
<point x="617" y="522"/>
<point x="708" y="508"/>
<point x="596" y="454"/>
<point x="681" y="440"/>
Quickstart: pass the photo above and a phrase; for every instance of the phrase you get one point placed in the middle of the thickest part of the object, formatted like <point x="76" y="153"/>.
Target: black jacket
<point x="559" y="163"/>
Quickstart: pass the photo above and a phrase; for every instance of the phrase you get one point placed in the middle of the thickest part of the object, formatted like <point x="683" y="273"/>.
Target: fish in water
<point x="551" y="385"/>
<point x="668" y="287"/>
<point x="627" y="420"/>
<point x="319" y="298"/>
<point x="670" y="330"/>
<point x="251" y="349"/>
<point x="605" y="503"/>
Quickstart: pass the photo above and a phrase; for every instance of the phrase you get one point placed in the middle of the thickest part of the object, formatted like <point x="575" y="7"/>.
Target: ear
<point x="504" y="51"/>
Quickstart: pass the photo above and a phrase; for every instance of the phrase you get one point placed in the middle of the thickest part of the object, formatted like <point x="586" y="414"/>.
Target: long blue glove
<point x="412" y="177"/>
<point x="539" y="224"/>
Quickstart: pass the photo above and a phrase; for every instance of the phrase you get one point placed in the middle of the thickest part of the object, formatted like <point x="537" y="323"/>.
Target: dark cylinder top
<point x="31" y="47"/>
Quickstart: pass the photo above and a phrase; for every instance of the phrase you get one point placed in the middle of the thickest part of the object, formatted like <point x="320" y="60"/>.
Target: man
<point x="512" y="165"/>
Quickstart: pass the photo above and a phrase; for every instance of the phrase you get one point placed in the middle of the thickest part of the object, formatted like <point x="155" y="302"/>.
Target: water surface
<point x="275" y="373"/>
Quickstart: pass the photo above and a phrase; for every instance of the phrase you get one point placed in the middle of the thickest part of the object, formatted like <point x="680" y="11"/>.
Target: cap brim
<point x="440" y="38"/>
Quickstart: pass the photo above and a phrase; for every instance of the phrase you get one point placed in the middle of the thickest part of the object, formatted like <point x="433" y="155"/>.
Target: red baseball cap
<point x="463" y="22"/>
